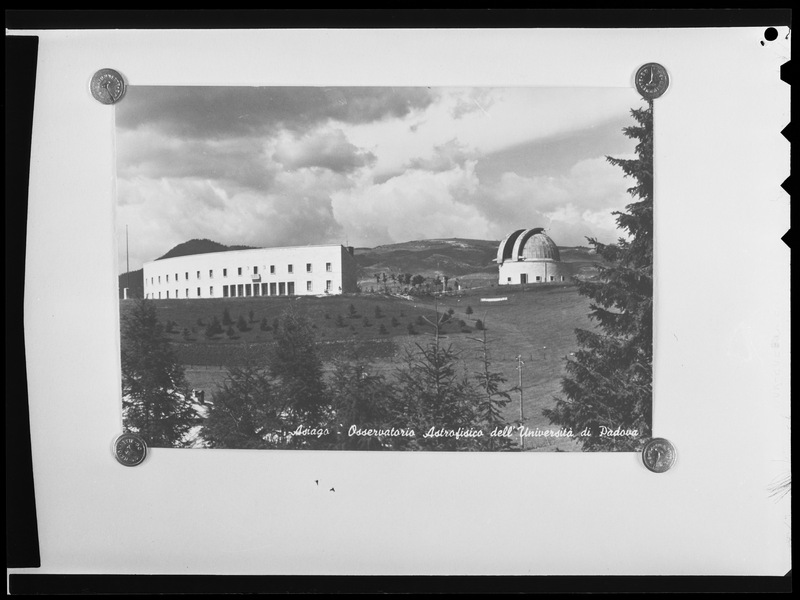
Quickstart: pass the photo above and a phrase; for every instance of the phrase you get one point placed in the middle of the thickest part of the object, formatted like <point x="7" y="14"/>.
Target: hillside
<point x="453" y="257"/>
<point x="535" y="323"/>
<point x="203" y="246"/>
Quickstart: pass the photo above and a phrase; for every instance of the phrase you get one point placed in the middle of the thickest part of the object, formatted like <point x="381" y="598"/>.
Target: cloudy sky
<point x="278" y="166"/>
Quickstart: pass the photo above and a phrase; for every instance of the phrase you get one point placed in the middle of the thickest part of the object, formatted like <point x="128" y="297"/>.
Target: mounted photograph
<point x="386" y="268"/>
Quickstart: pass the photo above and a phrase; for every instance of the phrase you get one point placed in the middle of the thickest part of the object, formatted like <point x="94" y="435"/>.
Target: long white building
<point x="530" y="256"/>
<point x="292" y="271"/>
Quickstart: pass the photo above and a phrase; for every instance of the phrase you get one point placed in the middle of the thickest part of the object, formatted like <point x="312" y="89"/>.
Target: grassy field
<point x="534" y="322"/>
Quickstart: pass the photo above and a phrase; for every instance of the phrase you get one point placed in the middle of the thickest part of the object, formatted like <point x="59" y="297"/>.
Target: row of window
<point x="290" y="270"/>
<point x="523" y="278"/>
<point x="282" y="288"/>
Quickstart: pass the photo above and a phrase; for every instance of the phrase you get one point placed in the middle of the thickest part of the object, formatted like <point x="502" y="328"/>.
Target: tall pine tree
<point x="155" y="396"/>
<point x="609" y="379"/>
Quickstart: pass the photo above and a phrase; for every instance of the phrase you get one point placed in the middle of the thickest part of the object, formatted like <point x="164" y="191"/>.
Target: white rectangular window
<point x="211" y="273"/>
<point x="308" y="267"/>
<point x="255" y="270"/>
<point x="272" y="269"/>
<point x="167" y="278"/>
<point x="224" y="272"/>
<point x="159" y="279"/>
<point x="198" y="292"/>
<point x="211" y="290"/>
<point x="309" y="286"/>
<point x="328" y="267"/>
<point x="187" y="292"/>
<point x="328" y="285"/>
<point x="239" y="269"/>
<point x="291" y="268"/>
<point x="187" y="275"/>
<point x="198" y="274"/>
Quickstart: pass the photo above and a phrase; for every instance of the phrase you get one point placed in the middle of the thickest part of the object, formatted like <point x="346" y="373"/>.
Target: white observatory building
<point x="294" y="271"/>
<point x="530" y="256"/>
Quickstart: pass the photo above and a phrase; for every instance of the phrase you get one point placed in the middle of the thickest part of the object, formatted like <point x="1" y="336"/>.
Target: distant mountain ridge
<point x="201" y="246"/>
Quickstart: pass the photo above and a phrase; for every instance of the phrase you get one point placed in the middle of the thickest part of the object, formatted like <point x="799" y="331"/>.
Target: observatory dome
<point x="529" y="245"/>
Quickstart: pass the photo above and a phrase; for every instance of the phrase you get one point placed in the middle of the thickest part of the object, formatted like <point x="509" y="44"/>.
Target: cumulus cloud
<point x="325" y="149"/>
<point x="162" y="213"/>
<point x="288" y="166"/>
<point x="417" y="204"/>
<point x="575" y="205"/>
<point x="219" y="112"/>
<point x="237" y="162"/>
<point x="444" y="157"/>
<point x="472" y="100"/>
<point x="423" y="203"/>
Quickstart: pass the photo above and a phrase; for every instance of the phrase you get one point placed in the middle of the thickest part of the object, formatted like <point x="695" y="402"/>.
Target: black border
<point x="22" y="535"/>
<point x="22" y="549"/>
<point x="394" y="18"/>
<point x="226" y="584"/>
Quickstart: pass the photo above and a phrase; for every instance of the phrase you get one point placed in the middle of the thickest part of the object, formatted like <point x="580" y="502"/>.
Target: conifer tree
<point x="296" y="366"/>
<point x="492" y="399"/>
<point x="245" y="412"/>
<point x="609" y="380"/>
<point x="155" y="395"/>
<point x="358" y="398"/>
<point x="433" y="393"/>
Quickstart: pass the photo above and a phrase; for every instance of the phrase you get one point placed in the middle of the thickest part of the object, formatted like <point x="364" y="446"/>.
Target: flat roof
<point x="226" y="252"/>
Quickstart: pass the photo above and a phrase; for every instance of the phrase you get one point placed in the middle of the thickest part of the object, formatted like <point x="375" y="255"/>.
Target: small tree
<point x="479" y="325"/>
<point x="241" y="324"/>
<point x="382" y="330"/>
<point x="340" y="321"/>
<point x="352" y="312"/>
<point x="432" y="393"/>
<point x="213" y="328"/>
<point x="378" y="312"/>
<point x="469" y="310"/>
<point x="395" y="322"/>
<point x="264" y="324"/>
<point x="226" y="318"/>
<point x="492" y="399"/>
<point x="251" y="316"/>
<point x="155" y="395"/>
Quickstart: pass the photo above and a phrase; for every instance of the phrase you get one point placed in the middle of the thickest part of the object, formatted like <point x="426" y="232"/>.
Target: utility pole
<point x="127" y="266"/>
<point x="521" y="415"/>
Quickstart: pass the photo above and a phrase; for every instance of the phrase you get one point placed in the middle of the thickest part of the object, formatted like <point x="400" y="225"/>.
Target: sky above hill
<point x="280" y="166"/>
